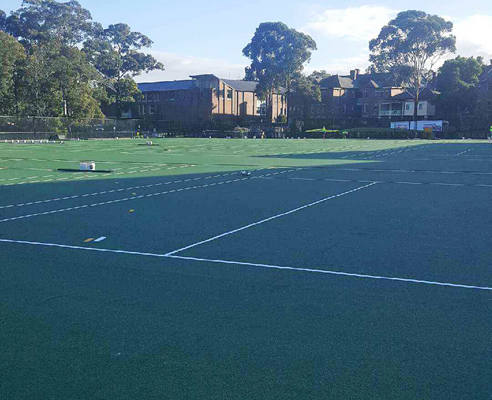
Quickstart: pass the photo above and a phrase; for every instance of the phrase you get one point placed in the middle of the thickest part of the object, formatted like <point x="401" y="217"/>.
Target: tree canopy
<point x="57" y="61"/>
<point x="409" y="46"/>
<point x="45" y="21"/>
<point x="115" y="54"/>
<point x="277" y="53"/>
<point x="12" y="58"/>
<point x="456" y="82"/>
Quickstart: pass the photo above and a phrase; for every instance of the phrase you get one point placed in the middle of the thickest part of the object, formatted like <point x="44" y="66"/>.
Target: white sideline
<point x="328" y="272"/>
<point x="269" y="219"/>
<point x="267" y="266"/>
<point x="141" y="196"/>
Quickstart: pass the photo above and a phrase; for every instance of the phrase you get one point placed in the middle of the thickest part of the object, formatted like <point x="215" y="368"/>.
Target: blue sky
<point x="192" y="36"/>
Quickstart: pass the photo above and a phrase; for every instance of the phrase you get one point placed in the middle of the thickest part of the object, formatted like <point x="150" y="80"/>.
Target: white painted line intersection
<point x="265" y="266"/>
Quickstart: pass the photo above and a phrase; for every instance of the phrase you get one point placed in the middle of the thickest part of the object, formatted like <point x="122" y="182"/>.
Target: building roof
<point x="241" y="86"/>
<point x="337" y="81"/>
<point x="425" y="94"/>
<point x="166" y="86"/>
<point x="375" y="80"/>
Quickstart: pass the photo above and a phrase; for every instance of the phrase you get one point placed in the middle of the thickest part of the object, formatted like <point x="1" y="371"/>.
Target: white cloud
<point x="180" y="66"/>
<point x="352" y="27"/>
<point x="357" y="23"/>
<point x="342" y="66"/>
<point x="473" y="36"/>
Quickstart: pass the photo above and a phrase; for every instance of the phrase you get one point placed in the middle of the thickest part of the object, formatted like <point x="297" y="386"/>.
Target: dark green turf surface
<point x="77" y="324"/>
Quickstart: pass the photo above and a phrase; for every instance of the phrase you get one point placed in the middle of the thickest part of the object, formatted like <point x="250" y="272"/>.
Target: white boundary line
<point x="382" y="182"/>
<point x="121" y="189"/>
<point x="144" y="195"/>
<point x="248" y="264"/>
<point x="269" y="219"/>
<point x="328" y="272"/>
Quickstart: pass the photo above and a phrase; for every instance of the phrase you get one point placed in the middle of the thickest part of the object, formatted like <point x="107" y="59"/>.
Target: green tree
<point x="305" y="90"/>
<point x="318" y="76"/>
<point x="409" y="46"/>
<point x="456" y="82"/>
<point x="3" y="20"/>
<point x="56" y="79"/>
<point x="47" y="21"/>
<point x="115" y="54"/>
<point x="277" y="53"/>
<point x="77" y="82"/>
<point x="12" y="59"/>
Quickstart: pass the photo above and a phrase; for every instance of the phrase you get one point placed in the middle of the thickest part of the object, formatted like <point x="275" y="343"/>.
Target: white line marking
<point x="100" y="239"/>
<point x="125" y="199"/>
<point x="267" y="266"/>
<point x="112" y="191"/>
<point x="269" y="219"/>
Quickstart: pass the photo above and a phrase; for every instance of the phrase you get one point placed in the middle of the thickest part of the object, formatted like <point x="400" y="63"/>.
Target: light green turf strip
<point x="35" y="163"/>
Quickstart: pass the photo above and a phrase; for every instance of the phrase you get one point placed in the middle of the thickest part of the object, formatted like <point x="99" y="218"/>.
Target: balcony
<point x="390" y="113"/>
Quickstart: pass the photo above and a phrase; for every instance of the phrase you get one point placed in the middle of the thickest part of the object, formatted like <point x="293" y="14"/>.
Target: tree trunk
<point x="415" y="109"/>
<point x="287" y="102"/>
<point x="416" y="103"/>
<point x="270" y="106"/>
<point x="460" y="114"/>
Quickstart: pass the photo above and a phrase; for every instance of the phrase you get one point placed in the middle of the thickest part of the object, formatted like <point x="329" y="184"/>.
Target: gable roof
<point x="375" y="80"/>
<point x="425" y="94"/>
<point x="241" y="86"/>
<point x="337" y="81"/>
<point x="165" y="86"/>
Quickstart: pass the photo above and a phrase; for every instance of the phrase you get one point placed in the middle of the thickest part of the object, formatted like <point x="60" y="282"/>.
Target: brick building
<point x="203" y="98"/>
<point x="357" y="98"/>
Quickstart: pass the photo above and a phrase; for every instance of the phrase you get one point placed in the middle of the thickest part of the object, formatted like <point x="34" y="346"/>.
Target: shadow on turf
<point x="443" y="150"/>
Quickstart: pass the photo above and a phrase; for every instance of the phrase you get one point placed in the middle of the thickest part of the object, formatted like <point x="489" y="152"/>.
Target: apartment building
<point x="206" y="97"/>
<point x="369" y="96"/>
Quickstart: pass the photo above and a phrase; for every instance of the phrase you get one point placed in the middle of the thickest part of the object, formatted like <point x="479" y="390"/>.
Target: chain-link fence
<point x="46" y="128"/>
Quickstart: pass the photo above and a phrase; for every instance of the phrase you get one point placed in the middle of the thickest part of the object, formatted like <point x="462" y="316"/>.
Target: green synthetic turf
<point x="39" y="162"/>
<point x="78" y="324"/>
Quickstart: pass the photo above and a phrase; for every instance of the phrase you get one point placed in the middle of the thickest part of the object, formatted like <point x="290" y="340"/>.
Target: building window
<point x="141" y="109"/>
<point x="260" y="107"/>
<point x="366" y="92"/>
<point x="421" y="106"/>
<point x="229" y="95"/>
<point x="407" y="107"/>
<point x="344" y="109"/>
<point x="152" y="109"/>
<point x="366" y="108"/>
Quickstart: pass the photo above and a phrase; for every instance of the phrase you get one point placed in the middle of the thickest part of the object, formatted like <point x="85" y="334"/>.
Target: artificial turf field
<point x="340" y="269"/>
